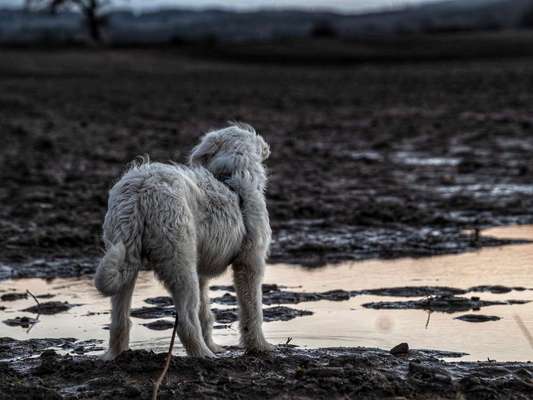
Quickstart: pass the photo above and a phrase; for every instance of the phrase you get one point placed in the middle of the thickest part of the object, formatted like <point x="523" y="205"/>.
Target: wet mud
<point x="24" y="322"/>
<point x="288" y="372"/>
<point x="50" y="307"/>
<point x="444" y="303"/>
<point x="222" y="316"/>
<point x="436" y="298"/>
<point x="367" y="161"/>
<point x="13" y="296"/>
<point x="478" y="318"/>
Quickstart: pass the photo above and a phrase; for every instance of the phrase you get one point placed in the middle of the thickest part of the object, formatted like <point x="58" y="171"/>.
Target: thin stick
<point x="524" y="329"/>
<point x="429" y="317"/>
<point x="34" y="298"/>
<point x="167" y="361"/>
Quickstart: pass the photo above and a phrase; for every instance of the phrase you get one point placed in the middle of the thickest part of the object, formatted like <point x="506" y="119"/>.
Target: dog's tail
<point x="112" y="272"/>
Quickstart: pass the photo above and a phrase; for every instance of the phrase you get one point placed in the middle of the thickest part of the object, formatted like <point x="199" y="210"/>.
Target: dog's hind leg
<point x="247" y="277"/>
<point x="181" y="280"/>
<point x="120" y="320"/>
<point x="206" y="317"/>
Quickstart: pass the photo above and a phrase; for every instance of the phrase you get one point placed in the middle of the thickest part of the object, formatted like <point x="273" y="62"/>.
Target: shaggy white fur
<point x="188" y="224"/>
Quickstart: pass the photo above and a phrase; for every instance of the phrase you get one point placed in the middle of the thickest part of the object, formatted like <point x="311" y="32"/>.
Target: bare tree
<point x="92" y="11"/>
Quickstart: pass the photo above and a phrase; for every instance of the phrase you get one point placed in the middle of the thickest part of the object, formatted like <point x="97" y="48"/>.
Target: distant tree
<point x="92" y="11"/>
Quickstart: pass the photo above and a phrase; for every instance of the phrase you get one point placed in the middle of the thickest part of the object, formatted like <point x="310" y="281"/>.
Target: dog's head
<point x="235" y="147"/>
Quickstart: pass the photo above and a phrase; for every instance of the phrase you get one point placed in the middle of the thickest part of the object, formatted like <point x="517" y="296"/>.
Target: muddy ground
<point x="333" y="373"/>
<point x="368" y="161"/>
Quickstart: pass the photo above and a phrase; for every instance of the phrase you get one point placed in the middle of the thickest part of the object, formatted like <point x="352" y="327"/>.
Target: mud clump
<point x="272" y="294"/>
<point x="24" y="322"/>
<point x="281" y="313"/>
<point x="445" y="303"/>
<point x="50" y="307"/>
<point x="400" y="349"/>
<point x="423" y="291"/>
<point x="222" y="316"/>
<point x="276" y="296"/>
<point x="477" y="318"/>
<point x="412" y="291"/>
<point x="13" y="296"/>
<point x="159" y="325"/>
<point x="152" y="312"/>
<point x="163" y="301"/>
<point x="496" y="289"/>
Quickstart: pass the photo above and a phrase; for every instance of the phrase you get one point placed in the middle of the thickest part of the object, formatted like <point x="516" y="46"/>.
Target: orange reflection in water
<point x="343" y="323"/>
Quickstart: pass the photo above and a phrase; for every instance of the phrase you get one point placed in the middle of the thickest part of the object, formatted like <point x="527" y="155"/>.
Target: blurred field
<point x="379" y="49"/>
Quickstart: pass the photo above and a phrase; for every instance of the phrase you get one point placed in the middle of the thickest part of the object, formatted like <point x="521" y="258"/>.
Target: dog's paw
<point x="204" y="353"/>
<point x="263" y="347"/>
<point x="215" y="348"/>
<point x="108" y="356"/>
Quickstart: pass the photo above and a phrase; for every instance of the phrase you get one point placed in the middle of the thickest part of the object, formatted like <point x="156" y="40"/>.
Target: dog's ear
<point x="202" y="153"/>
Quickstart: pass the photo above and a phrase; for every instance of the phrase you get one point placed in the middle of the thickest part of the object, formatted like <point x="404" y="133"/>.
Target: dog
<point x="189" y="224"/>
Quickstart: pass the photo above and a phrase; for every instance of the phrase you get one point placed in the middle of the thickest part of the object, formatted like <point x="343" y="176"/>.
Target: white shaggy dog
<point x="188" y="224"/>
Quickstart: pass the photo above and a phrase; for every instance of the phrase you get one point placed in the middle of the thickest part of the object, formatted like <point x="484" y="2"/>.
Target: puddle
<point x="333" y="323"/>
<point x="419" y="160"/>
<point x="483" y="191"/>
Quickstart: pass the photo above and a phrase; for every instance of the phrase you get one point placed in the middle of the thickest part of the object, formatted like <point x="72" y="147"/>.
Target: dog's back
<point x="157" y="210"/>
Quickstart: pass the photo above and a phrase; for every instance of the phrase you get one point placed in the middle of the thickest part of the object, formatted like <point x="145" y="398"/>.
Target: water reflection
<point x="343" y="323"/>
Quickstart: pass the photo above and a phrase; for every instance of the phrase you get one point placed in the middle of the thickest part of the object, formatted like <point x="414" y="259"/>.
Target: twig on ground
<point x="38" y="310"/>
<point x="289" y="339"/>
<point x="429" y="317"/>
<point x="523" y="328"/>
<point x="476" y="235"/>
<point x="167" y="361"/>
<point x="34" y="298"/>
<point x="33" y="324"/>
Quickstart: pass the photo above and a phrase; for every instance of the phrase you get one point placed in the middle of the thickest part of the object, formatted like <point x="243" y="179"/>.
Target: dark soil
<point x="335" y="373"/>
<point x="367" y="161"/>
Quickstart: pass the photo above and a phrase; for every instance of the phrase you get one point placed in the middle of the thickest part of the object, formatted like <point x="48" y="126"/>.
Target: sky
<point x="345" y="6"/>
